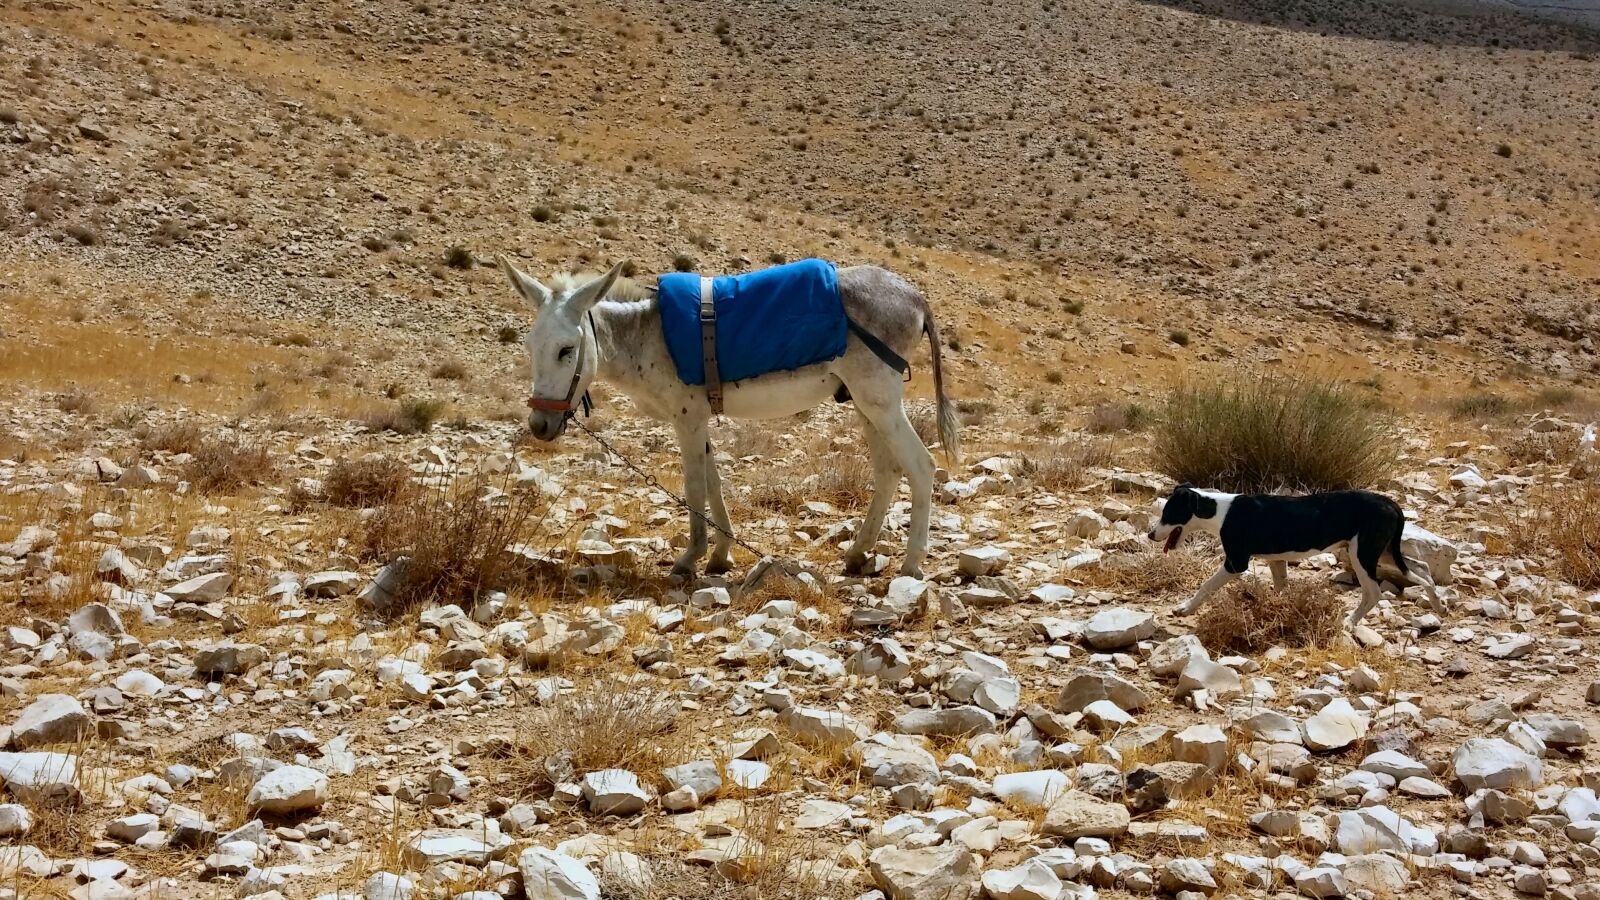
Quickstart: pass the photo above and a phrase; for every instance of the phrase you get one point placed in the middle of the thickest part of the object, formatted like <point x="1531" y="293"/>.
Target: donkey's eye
<point x="564" y="354"/>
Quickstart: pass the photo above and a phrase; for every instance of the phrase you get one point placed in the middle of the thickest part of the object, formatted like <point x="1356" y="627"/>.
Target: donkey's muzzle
<point x="547" y="425"/>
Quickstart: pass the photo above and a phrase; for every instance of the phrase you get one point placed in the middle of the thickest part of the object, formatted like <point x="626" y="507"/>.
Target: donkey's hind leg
<point x="885" y="482"/>
<point x="884" y="407"/>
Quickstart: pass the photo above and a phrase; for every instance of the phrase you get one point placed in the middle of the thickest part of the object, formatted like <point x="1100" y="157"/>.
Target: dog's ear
<point x="1186" y="486"/>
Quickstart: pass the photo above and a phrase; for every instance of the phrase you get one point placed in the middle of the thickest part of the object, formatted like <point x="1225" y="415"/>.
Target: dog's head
<point x="1182" y="506"/>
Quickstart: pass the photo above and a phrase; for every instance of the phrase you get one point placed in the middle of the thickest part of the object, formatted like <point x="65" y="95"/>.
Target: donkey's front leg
<point x="722" y="542"/>
<point x="692" y="446"/>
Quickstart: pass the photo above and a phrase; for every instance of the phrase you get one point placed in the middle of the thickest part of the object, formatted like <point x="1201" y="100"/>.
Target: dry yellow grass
<point x="1563" y="522"/>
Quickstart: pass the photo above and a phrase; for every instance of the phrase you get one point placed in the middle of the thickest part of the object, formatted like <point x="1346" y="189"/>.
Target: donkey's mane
<point x="624" y="289"/>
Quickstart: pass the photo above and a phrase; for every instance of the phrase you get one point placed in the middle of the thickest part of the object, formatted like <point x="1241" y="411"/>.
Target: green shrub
<point x="1272" y="433"/>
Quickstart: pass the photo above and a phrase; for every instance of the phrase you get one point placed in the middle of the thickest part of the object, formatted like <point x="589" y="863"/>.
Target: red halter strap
<point x="565" y="405"/>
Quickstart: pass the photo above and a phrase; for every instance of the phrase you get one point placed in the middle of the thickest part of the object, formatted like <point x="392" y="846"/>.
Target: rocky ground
<point x="242" y="271"/>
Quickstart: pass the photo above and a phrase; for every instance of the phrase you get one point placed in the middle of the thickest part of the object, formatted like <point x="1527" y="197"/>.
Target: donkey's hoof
<point x="719" y="565"/>
<point x="911" y="570"/>
<point x="855" y="564"/>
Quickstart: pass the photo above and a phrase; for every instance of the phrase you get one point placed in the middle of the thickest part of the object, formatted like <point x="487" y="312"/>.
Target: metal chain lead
<point x="653" y="482"/>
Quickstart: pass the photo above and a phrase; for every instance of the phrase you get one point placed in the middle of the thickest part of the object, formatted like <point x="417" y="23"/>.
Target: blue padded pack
<point x="772" y="320"/>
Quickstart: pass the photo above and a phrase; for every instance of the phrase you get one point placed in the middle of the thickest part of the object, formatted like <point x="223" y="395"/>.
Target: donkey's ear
<point x="530" y="288"/>
<point x="586" y="296"/>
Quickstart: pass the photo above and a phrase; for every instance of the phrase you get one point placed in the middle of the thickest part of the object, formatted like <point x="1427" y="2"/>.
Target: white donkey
<point x="609" y="328"/>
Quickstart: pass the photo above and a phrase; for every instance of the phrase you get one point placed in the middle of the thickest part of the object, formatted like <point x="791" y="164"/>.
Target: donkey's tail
<point x="949" y="422"/>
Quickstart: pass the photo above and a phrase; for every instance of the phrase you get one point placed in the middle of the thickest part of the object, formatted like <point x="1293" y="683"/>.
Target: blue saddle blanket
<point x="772" y="320"/>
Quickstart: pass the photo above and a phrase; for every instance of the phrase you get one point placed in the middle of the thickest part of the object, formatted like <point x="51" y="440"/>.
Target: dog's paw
<point x="1183" y="609"/>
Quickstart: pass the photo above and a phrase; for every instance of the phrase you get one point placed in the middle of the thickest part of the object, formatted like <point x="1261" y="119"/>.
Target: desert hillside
<point x="256" y="351"/>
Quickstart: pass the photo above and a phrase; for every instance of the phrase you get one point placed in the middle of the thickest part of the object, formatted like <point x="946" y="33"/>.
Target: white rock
<point x="139" y="683"/>
<point x="1375" y="829"/>
<point x="51" y="719"/>
<point x="201" y="589"/>
<point x="1031" y="789"/>
<point x="933" y="873"/>
<point x="1334" y="727"/>
<point x="547" y="875"/>
<point x="976" y="561"/>
<point x="1172" y="655"/>
<point x="289" y="789"/>
<point x="824" y="727"/>
<point x="1119" y="627"/>
<point x="1205" y="744"/>
<point x="1495" y="763"/>
<point x="15" y="820"/>
<point x="1033" y="880"/>
<point x="614" y="792"/>
<point x="1395" y="764"/>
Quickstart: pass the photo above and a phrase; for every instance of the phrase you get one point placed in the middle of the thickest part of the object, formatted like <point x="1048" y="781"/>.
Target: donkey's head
<point x="561" y="345"/>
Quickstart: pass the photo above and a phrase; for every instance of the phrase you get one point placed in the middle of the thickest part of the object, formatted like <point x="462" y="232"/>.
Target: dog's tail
<point x="949" y="422"/>
<point x="1395" y="549"/>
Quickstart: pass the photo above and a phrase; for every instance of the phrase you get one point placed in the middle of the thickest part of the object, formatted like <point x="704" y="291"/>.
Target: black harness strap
<point x="890" y="358"/>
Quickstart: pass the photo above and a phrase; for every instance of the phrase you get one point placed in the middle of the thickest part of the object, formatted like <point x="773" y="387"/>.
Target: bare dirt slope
<point x="245" y="251"/>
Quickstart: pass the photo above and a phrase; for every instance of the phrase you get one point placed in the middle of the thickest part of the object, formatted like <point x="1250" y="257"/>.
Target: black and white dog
<point x="1366" y="526"/>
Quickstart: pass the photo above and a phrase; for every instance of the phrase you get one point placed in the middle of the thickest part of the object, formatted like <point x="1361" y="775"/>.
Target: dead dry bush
<point x="453" y="540"/>
<point x="179" y="437"/>
<point x="371" y="481"/>
<point x="604" y="724"/>
<point x="1556" y="447"/>
<point x="1063" y="465"/>
<point x="1251" y="616"/>
<point x="228" y="465"/>
<point x="769" y="859"/>
<point x="1109" y="418"/>
<point x="1269" y="433"/>
<point x="1149" y="573"/>
<point x="1563" y="523"/>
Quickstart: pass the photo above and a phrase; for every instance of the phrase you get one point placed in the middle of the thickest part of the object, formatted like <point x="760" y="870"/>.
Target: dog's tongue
<point x="1172" y="539"/>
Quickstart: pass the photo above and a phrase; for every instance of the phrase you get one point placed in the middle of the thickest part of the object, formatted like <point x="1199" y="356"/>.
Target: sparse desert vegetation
<point x="288" y="586"/>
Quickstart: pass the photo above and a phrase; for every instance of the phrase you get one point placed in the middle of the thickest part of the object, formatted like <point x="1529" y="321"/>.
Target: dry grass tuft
<point x="1062" y="465"/>
<point x="1149" y="573"/>
<point x="372" y="481"/>
<point x="228" y="465"/>
<point x="1565" y="522"/>
<point x="1542" y="447"/>
<point x="1272" y="432"/>
<point x="179" y="437"/>
<point x="406" y="417"/>
<point x="770" y="859"/>
<point x="454" y="540"/>
<point x="604" y="724"/>
<point x="845" y="480"/>
<point x="1250" y="616"/>
<point x="1109" y="418"/>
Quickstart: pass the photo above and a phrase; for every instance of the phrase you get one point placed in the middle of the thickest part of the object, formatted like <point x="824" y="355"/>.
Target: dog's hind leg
<point x="1280" y="573"/>
<point x="1421" y="574"/>
<point x="1211" y="586"/>
<point x="1365" y="563"/>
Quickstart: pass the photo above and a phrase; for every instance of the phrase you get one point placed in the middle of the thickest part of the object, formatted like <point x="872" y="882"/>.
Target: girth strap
<point x="708" y="345"/>
<point x="890" y="358"/>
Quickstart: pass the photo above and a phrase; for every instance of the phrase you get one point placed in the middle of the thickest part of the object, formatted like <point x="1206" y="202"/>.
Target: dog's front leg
<point x="1211" y="586"/>
<point x="1280" y="574"/>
